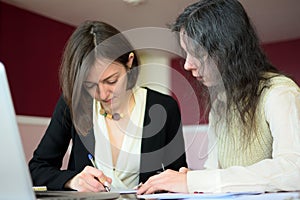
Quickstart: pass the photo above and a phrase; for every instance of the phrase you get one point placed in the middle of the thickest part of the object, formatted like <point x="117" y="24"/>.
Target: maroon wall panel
<point x="31" y="47"/>
<point x="285" y="56"/>
<point x="187" y="93"/>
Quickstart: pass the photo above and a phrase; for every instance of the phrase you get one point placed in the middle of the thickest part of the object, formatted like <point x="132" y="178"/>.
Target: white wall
<point x="32" y="130"/>
<point x="196" y="142"/>
<point x="155" y="70"/>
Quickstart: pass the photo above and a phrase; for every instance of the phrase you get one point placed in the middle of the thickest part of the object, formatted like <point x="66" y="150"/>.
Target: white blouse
<point x="126" y="172"/>
<point x="281" y="173"/>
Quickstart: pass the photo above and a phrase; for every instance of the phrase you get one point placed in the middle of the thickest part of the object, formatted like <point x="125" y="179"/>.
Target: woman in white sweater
<point x="254" y="118"/>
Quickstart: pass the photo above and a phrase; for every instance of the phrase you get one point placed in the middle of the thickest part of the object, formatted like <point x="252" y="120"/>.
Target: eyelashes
<point x="111" y="82"/>
<point x="90" y="85"/>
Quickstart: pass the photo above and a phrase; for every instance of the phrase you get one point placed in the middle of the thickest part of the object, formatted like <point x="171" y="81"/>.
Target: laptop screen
<point x="15" y="181"/>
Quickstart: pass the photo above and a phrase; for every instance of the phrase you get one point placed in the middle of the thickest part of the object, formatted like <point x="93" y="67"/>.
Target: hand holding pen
<point x="102" y="179"/>
<point x="85" y="181"/>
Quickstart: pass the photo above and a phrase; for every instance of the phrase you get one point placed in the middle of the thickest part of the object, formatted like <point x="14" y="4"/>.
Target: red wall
<point x="187" y="94"/>
<point x="285" y="56"/>
<point x="30" y="48"/>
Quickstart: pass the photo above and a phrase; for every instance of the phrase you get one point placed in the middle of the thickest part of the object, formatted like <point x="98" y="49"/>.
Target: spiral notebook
<point x="15" y="181"/>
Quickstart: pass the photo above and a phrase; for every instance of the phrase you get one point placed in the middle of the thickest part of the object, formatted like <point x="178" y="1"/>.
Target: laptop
<point x="15" y="180"/>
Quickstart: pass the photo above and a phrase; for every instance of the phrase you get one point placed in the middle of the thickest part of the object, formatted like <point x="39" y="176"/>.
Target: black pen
<point x="105" y="183"/>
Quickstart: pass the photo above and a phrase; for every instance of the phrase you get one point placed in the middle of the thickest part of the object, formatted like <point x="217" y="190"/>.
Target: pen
<point x="138" y="186"/>
<point x="162" y="166"/>
<point x="105" y="183"/>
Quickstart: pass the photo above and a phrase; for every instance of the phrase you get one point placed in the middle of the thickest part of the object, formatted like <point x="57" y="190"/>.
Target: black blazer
<point x="162" y="142"/>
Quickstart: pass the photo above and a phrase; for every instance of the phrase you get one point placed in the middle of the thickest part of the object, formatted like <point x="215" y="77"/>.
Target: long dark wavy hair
<point x="222" y="28"/>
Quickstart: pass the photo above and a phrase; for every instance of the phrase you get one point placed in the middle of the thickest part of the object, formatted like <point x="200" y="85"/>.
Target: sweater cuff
<point x="204" y="181"/>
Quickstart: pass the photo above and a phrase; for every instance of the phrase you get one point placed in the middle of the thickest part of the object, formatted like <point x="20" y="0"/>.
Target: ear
<point x="130" y="60"/>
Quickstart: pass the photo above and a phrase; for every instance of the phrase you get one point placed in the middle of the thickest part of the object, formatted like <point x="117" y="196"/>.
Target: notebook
<point x="15" y="180"/>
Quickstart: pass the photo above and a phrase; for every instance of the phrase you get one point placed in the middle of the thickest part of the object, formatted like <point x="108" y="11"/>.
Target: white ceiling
<point x="275" y="20"/>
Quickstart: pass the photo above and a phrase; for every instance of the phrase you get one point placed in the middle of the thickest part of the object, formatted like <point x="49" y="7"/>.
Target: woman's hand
<point x="183" y="169"/>
<point x="88" y="180"/>
<point x="168" y="180"/>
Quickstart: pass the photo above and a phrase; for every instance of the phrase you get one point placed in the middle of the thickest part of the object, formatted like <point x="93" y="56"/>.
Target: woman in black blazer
<point x="132" y="132"/>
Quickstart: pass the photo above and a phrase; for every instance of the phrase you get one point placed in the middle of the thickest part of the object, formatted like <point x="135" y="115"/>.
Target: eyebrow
<point x="116" y="73"/>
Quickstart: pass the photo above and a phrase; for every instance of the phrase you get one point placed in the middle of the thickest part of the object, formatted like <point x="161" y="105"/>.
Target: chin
<point x="208" y="84"/>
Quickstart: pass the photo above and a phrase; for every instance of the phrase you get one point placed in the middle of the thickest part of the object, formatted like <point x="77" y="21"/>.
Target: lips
<point x="199" y="78"/>
<point x="107" y="101"/>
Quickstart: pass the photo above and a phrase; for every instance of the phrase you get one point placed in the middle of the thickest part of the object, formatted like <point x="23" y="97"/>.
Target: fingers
<point x="183" y="170"/>
<point x="106" y="181"/>
<point x="169" y="180"/>
<point x="98" y="174"/>
<point x="148" y="188"/>
<point x="153" y="184"/>
<point x="109" y="180"/>
<point x="89" y="180"/>
<point x="88" y="183"/>
<point x="138" y="186"/>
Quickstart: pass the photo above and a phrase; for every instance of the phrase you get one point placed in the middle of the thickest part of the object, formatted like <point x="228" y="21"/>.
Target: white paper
<point x="124" y="191"/>
<point x="195" y="196"/>
<point x="272" y="196"/>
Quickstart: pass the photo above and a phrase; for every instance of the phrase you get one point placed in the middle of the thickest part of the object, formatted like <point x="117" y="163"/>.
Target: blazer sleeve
<point x="162" y="142"/>
<point x="48" y="157"/>
<point x="175" y="149"/>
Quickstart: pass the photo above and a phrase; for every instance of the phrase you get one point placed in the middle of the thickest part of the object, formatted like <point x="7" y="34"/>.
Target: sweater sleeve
<point x="282" y="172"/>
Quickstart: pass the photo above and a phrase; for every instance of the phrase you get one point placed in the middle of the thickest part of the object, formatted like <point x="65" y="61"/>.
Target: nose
<point x="103" y="91"/>
<point x="187" y="65"/>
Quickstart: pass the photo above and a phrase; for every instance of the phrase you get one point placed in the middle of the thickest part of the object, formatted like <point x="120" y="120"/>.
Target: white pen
<point x="105" y="183"/>
<point x="162" y="166"/>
